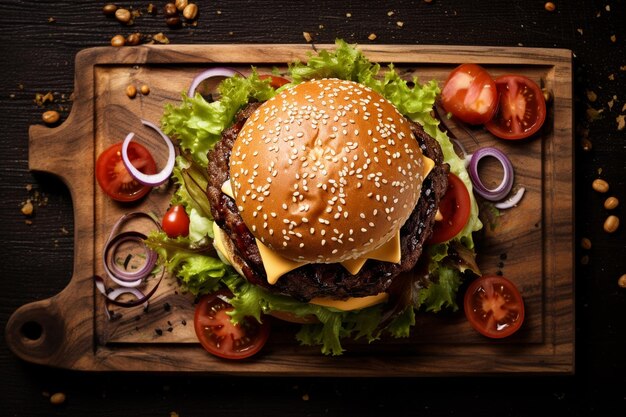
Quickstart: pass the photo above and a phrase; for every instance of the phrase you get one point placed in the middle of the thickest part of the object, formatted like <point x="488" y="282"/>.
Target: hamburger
<point x="325" y="193"/>
<point x="319" y="198"/>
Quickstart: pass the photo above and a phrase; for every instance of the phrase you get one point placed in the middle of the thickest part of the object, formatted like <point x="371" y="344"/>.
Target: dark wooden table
<point x="39" y="40"/>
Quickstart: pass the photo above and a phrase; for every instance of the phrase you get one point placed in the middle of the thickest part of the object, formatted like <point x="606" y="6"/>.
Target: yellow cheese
<point x="389" y="252"/>
<point x="275" y="265"/>
<point x="221" y="244"/>
<point x="354" y="265"/>
<point x="227" y="188"/>
<point x="429" y="164"/>
<point x="351" y="303"/>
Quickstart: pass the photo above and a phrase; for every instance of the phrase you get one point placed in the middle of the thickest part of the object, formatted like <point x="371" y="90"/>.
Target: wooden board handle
<point x="45" y="331"/>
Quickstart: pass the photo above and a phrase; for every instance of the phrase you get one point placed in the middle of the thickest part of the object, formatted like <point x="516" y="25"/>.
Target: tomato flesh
<point x="455" y="208"/>
<point x="275" y="80"/>
<point x="494" y="307"/>
<point x="175" y="223"/>
<point x="219" y="336"/>
<point x="470" y="94"/>
<point x="522" y="108"/>
<point x="114" y="178"/>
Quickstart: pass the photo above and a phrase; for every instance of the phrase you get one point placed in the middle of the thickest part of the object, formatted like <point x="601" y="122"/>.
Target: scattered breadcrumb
<point x="348" y="14"/>
<point x="612" y="77"/>
<point x="305" y="397"/>
<point x="390" y="13"/>
<point x="400" y="23"/>
<point x="621" y="122"/>
<point x="579" y="30"/>
<point x="57" y="398"/>
<point x="27" y="208"/>
<point x="607" y="7"/>
<point x="307" y="36"/>
<point x="371" y="36"/>
<point x="41" y="99"/>
<point x="173" y="414"/>
<point x="594" y="114"/>
<point x="591" y="96"/>
<point x="613" y="38"/>
<point x="321" y="27"/>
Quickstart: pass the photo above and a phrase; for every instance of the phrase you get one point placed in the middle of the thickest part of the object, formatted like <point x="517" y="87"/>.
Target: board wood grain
<point x="532" y="245"/>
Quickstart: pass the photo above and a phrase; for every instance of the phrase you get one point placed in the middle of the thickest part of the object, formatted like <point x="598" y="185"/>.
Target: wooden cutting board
<point x="532" y="244"/>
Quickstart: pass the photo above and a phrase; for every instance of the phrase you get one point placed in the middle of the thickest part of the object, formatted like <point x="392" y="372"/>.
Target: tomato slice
<point x="219" y="336"/>
<point x="114" y="178"/>
<point x="522" y="108"/>
<point x="275" y="80"/>
<point x="494" y="306"/>
<point x="470" y="94"/>
<point x="175" y="222"/>
<point x="455" y="208"/>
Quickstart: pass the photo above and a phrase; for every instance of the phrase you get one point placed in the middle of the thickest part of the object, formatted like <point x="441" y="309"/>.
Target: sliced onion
<point x="221" y="72"/>
<point x="511" y="201"/>
<point x="505" y="186"/>
<point x="114" y="272"/>
<point x="121" y="276"/>
<point x="154" y="179"/>
<point x="127" y="281"/>
<point x="113" y="295"/>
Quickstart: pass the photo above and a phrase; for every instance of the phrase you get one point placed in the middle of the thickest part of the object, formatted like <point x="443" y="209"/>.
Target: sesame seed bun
<point x="326" y="171"/>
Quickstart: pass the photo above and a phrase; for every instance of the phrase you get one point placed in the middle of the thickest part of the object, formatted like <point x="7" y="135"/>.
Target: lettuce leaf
<point x="196" y="271"/>
<point x="198" y="124"/>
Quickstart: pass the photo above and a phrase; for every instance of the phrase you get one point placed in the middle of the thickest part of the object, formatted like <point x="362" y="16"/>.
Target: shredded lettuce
<point x="198" y="125"/>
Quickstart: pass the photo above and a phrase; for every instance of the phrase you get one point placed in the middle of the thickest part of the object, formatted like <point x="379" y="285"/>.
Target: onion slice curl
<point x="221" y="72"/>
<point x="154" y="179"/>
<point x="504" y="188"/>
<point x="127" y="281"/>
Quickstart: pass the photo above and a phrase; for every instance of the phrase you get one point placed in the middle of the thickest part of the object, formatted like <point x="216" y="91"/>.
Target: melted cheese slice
<point x="222" y="243"/>
<point x="350" y="304"/>
<point x="275" y="265"/>
<point x="227" y="188"/>
<point x="429" y="164"/>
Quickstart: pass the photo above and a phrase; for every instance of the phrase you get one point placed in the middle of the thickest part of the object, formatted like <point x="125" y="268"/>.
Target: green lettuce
<point x="198" y="125"/>
<point x="197" y="271"/>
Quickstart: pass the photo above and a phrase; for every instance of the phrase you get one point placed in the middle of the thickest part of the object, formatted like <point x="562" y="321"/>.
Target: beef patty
<point x="325" y="280"/>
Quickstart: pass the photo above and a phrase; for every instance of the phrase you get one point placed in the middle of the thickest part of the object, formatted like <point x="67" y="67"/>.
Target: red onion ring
<point x="154" y="179"/>
<point x="505" y="186"/>
<point x="128" y="281"/>
<point x="112" y="296"/>
<point x="120" y="277"/>
<point x="511" y="201"/>
<point x="210" y="73"/>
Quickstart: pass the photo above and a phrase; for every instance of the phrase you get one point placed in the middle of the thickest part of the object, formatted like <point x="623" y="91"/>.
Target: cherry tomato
<point x="522" y="109"/>
<point x="455" y="208"/>
<point x="275" y="80"/>
<point x="114" y="178"/>
<point x="470" y="94"/>
<point x="219" y="336"/>
<point x="494" y="306"/>
<point x="176" y="222"/>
